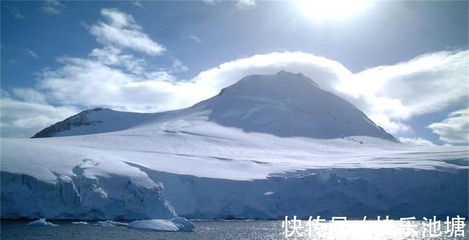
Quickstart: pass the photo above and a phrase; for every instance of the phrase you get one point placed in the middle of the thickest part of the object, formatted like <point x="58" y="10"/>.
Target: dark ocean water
<point x="247" y="230"/>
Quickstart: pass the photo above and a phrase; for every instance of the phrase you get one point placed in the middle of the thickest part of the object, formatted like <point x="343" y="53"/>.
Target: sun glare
<point x="320" y="10"/>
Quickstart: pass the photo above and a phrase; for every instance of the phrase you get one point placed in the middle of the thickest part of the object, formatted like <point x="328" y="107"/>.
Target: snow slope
<point x="212" y="166"/>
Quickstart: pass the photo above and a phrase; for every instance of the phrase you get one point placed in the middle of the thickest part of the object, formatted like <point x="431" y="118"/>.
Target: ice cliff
<point x="87" y="192"/>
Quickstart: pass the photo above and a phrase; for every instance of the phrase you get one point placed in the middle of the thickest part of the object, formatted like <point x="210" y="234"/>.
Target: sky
<point x="403" y="63"/>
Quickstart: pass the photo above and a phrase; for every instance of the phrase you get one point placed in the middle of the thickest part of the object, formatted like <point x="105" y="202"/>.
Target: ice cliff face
<point x="84" y="194"/>
<point x="353" y="193"/>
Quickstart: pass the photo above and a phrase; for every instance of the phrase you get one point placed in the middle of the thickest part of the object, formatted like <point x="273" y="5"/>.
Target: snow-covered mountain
<point x="256" y="150"/>
<point x="98" y="120"/>
<point x="285" y="105"/>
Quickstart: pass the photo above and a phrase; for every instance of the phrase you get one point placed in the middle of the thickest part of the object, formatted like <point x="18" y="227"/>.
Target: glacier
<point x="258" y="177"/>
<point x="255" y="151"/>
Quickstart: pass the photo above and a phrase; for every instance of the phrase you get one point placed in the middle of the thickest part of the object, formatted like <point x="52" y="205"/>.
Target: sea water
<point x="248" y="230"/>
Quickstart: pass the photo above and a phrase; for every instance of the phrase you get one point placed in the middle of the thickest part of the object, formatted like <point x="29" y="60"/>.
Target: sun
<point x="320" y="10"/>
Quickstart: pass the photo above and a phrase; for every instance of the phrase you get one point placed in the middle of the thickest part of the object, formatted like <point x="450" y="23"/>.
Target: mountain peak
<point x="289" y="105"/>
<point x="77" y="120"/>
<point x="294" y="76"/>
<point x="278" y="86"/>
<point x="92" y="121"/>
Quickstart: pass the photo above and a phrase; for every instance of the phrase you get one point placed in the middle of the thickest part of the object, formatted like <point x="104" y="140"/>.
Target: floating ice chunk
<point x="162" y="225"/>
<point x="158" y="225"/>
<point x="183" y="224"/>
<point x="79" y="223"/>
<point x="269" y="193"/>
<point x="41" y="222"/>
<point x="109" y="223"/>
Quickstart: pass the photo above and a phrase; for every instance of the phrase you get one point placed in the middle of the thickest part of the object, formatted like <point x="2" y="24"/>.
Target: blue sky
<point x="403" y="63"/>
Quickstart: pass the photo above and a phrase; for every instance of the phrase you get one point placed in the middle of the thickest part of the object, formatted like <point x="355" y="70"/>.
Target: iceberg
<point x="80" y="223"/>
<point x="110" y="223"/>
<point x="41" y="222"/>
<point x="162" y="225"/>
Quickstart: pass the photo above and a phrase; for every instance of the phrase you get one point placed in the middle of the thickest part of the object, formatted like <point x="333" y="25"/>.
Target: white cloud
<point x="30" y="52"/>
<point x="4" y="94"/>
<point x="416" y="141"/>
<point x="240" y="4"/>
<point x="455" y="128"/>
<point x="426" y="84"/>
<point x="76" y="83"/>
<point x="211" y="2"/>
<point x="119" y="19"/>
<point x="329" y="74"/>
<point x="195" y="38"/>
<point x="138" y="4"/>
<point x="389" y="95"/>
<point x="124" y="82"/>
<point x="29" y="95"/>
<point x="78" y="80"/>
<point x="29" y="114"/>
<point x="422" y="85"/>
<point x="390" y="125"/>
<point x="16" y="13"/>
<point x="112" y="56"/>
<point x="245" y="4"/>
<point x="52" y="7"/>
<point x="121" y="30"/>
<point x="178" y="66"/>
<point x="325" y="72"/>
<point x="19" y="16"/>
